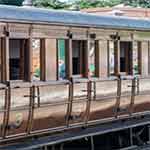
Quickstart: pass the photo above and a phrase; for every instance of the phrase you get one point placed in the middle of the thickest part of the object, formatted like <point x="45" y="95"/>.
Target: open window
<point x="36" y="48"/>
<point x="126" y="57"/>
<point x="18" y="58"/>
<point x="92" y="58"/>
<point x="61" y="59"/>
<point x="79" y="58"/>
<point x="111" y="58"/>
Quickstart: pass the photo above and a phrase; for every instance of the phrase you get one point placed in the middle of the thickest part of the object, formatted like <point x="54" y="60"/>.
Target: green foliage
<point x="11" y="2"/>
<point x="110" y="3"/>
<point x="96" y="3"/>
<point x="55" y="4"/>
<point x="138" y="3"/>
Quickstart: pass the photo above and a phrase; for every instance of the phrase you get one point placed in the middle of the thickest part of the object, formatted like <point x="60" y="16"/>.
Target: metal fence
<point x="44" y="107"/>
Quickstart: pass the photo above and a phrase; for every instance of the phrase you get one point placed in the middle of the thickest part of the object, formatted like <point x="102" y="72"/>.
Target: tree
<point x="11" y="2"/>
<point x="55" y="4"/>
<point x="111" y="3"/>
<point x="138" y="3"/>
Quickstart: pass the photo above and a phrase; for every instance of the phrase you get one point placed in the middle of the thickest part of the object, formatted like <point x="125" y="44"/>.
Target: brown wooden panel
<point x="5" y="59"/>
<point x="2" y="29"/>
<point x="22" y="59"/>
<point x="51" y="59"/>
<point x="69" y="67"/>
<point x="103" y="59"/>
<point x="52" y="32"/>
<point x="141" y="36"/>
<point x="28" y="60"/>
<point x="125" y="36"/>
<point x="102" y="34"/>
<point x="140" y="57"/>
<point x="42" y="59"/>
<point x="18" y="30"/>
<point x="97" y="65"/>
<point x="79" y="33"/>
<point x="144" y="58"/>
<point x="117" y="57"/>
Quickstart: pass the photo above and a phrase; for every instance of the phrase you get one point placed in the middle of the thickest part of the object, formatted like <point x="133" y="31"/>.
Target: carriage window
<point x="14" y="59"/>
<point x="18" y="59"/>
<point x="92" y="58"/>
<point x="61" y="60"/>
<point x="36" y="59"/>
<point x="111" y="58"/>
<point x="78" y="57"/>
<point x="126" y="57"/>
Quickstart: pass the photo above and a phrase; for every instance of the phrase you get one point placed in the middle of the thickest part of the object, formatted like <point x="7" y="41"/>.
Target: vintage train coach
<point x="61" y="70"/>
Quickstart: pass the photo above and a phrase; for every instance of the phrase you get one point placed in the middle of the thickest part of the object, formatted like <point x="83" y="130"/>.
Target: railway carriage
<point x="61" y="70"/>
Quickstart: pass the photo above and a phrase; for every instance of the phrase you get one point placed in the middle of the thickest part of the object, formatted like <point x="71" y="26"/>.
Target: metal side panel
<point x="79" y="133"/>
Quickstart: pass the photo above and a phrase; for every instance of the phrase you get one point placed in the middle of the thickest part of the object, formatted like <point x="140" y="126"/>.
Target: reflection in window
<point x="111" y="58"/>
<point x="36" y="59"/>
<point x="61" y="60"/>
<point x="92" y="58"/>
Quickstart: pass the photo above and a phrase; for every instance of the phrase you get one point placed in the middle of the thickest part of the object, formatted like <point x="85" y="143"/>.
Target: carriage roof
<point x="71" y="18"/>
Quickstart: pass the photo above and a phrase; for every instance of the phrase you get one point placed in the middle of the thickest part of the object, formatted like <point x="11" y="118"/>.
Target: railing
<point x="35" y="108"/>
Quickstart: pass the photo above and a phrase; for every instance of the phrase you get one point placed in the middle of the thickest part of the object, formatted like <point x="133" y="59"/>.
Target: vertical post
<point x="138" y="85"/>
<point x="132" y="96"/>
<point x="87" y="56"/>
<point x="53" y="147"/>
<point x="94" y="88"/>
<point x="42" y="60"/>
<point x="28" y="60"/>
<point x="38" y="96"/>
<point x="140" y="58"/>
<point x="31" y="109"/>
<point x="62" y="146"/>
<point x="22" y="59"/>
<point x="149" y="133"/>
<point x="119" y="88"/>
<point x="5" y="59"/>
<point x="103" y="58"/>
<point x="45" y="147"/>
<point x="89" y="90"/>
<point x="135" y="58"/>
<point x="97" y="65"/>
<point x="144" y="51"/>
<point x="70" y="101"/>
<point x="92" y="143"/>
<point x="1" y="58"/>
<point x="131" y="136"/>
<point x="68" y="46"/>
<point x="7" y="110"/>
<point x="117" y="56"/>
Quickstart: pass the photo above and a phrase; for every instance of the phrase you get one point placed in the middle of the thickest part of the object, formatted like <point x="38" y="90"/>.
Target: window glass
<point x="61" y="59"/>
<point x="76" y="55"/>
<point x="111" y="58"/>
<point x="92" y="58"/>
<point x="14" y="59"/>
<point x="36" y="59"/>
